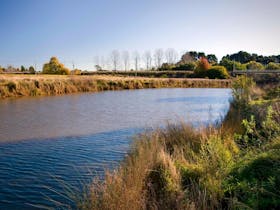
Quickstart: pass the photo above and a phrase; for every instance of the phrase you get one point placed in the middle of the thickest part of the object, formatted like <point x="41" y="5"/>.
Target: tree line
<point x="160" y="59"/>
<point x="169" y="60"/>
<point x="126" y="60"/>
<point x="22" y="69"/>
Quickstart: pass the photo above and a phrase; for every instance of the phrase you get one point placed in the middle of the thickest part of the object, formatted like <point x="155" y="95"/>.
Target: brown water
<point x="69" y="138"/>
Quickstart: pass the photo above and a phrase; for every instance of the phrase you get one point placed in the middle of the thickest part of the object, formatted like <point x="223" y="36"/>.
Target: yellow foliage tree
<point x="55" y="67"/>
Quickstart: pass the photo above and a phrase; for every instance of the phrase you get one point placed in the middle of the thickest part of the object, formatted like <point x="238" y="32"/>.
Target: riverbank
<point x="40" y="85"/>
<point x="233" y="166"/>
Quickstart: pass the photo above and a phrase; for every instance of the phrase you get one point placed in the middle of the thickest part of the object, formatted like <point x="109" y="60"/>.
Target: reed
<point x="40" y="85"/>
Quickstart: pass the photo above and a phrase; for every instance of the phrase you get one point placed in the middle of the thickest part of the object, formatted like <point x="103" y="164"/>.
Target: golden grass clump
<point x="167" y="171"/>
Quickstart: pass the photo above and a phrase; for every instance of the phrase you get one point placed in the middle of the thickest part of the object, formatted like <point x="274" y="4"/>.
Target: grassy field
<point x="235" y="165"/>
<point x="38" y="85"/>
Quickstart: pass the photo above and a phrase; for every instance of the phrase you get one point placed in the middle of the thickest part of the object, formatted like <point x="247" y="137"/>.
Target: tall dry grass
<point x="178" y="167"/>
<point x="38" y="85"/>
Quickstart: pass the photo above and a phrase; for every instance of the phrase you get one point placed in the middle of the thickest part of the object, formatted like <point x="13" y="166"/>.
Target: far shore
<point x="12" y="85"/>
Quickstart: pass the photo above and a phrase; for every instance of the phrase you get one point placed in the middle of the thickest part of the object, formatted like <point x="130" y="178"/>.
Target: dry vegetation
<point x="38" y="85"/>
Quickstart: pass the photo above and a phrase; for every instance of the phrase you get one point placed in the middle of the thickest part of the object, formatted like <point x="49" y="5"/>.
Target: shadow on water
<point x="37" y="171"/>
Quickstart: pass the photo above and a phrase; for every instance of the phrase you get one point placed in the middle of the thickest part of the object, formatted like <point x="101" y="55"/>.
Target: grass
<point x="40" y="85"/>
<point x="235" y="165"/>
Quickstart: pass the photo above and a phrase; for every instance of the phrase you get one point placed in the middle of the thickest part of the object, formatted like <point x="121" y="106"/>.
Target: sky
<point x="77" y="31"/>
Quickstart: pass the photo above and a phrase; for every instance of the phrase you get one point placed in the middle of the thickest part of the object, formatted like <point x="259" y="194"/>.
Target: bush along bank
<point x="235" y="165"/>
<point x="38" y="85"/>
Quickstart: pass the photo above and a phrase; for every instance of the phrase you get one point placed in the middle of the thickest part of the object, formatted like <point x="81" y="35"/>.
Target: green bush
<point x="230" y="65"/>
<point x="185" y="66"/>
<point x="273" y="66"/>
<point x="31" y="70"/>
<point x="255" y="181"/>
<point x="217" y="72"/>
<point x="55" y="67"/>
<point x="253" y="65"/>
<point x="166" y="66"/>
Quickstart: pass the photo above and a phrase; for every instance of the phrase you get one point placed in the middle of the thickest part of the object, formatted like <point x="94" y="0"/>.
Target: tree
<point x="55" y="67"/>
<point x="125" y="57"/>
<point x="22" y="69"/>
<point x="148" y="59"/>
<point x="230" y="65"/>
<point x="158" y="56"/>
<point x="193" y="56"/>
<point x="201" y="55"/>
<point x="170" y="55"/>
<point x="202" y="66"/>
<point x="241" y="56"/>
<point x="115" y="58"/>
<point x="136" y="58"/>
<point x="212" y="58"/>
<point x="188" y="57"/>
<point x="31" y="70"/>
<point x="98" y="68"/>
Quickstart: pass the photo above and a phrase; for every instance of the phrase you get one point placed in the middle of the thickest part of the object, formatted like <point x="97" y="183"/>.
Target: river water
<point x="50" y="147"/>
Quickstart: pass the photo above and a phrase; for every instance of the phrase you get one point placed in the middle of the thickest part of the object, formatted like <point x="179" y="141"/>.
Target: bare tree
<point x="136" y="58"/>
<point x="115" y="58"/>
<point x="148" y="59"/>
<point x="125" y="57"/>
<point x="170" y="55"/>
<point x="158" y="56"/>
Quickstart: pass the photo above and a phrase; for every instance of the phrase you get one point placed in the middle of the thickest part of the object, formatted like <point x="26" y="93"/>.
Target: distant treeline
<point x="238" y="61"/>
<point x="161" y="61"/>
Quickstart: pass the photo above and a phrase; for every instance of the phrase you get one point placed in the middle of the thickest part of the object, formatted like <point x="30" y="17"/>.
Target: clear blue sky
<point x="77" y="30"/>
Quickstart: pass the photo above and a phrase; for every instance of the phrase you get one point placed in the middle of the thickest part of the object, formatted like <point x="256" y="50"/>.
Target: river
<point x="50" y="147"/>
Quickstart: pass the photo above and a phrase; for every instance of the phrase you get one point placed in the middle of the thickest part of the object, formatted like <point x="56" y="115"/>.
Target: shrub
<point x="76" y="72"/>
<point x="217" y="72"/>
<point x="31" y="70"/>
<point x="166" y="66"/>
<point x="273" y="66"/>
<point x="55" y="67"/>
<point x="253" y="65"/>
<point x="185" y="66"/>
<point x="230" y="65"/>
<point x="241" y="88"/>
<point x="255" y="182"/>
